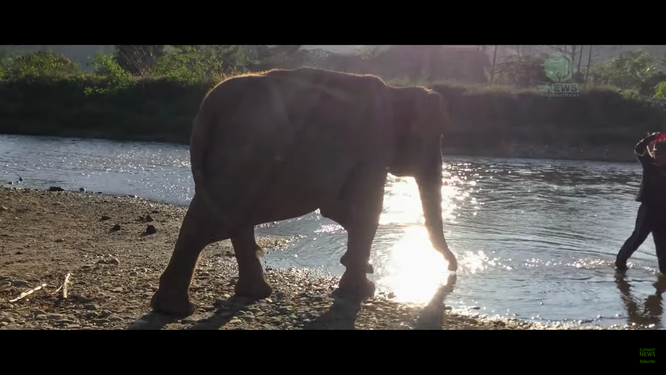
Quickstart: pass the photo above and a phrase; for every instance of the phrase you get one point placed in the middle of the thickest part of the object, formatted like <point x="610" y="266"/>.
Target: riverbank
<point x="114" y="272"/>
<point x="599" y="124"/>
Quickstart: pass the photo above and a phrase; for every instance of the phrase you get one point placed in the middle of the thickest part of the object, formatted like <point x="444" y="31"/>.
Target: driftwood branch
<point x="27" y="293"/>
<point x="65" y="284"/>
<point x="56" y="291"/>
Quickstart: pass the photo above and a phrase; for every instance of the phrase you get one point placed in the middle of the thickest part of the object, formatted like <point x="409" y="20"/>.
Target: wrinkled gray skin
<point x="281" y="144"/>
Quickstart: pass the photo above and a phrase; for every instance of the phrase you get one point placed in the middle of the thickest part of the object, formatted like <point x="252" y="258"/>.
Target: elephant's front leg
<point x="363" y="210"/>
<point x="339" y="212"/>
<point x="197" y="231"/>
<point x="251" y="282"/>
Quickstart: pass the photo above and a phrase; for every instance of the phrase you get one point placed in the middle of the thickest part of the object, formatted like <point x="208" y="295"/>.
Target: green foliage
<point x="116" y="77"/>
<point x="191" y="64"/>
<point x="39" y="65"/>
<point x="5" y="60"/>
<point x="660" y="91"/>
<point x="629" y="70"/>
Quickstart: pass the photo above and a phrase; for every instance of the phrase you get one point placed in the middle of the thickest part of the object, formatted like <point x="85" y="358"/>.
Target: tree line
<point x="514" y="66"/>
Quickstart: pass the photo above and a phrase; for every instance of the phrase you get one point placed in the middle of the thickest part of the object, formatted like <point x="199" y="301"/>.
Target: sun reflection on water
<point x="413" y="270"/>
<point x="402" y="203"/>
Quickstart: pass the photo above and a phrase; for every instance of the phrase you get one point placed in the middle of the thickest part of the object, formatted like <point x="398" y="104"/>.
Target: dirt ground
<point x="113" y="273"/>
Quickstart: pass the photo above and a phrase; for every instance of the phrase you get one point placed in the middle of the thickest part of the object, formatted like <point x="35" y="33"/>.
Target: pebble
<point x="105" y="218"/>
<point x="113" y="261"/>
<point x="4" y="324"/>
<point x="235" y="321"/>
<point x="3" y="208"/>
<point x="91" y="306"/>
<point x="7" y="319"/>
<point x="54" y="316"/>
<point x="19" y="283"/>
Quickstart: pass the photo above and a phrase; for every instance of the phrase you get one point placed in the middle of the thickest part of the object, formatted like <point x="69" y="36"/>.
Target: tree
<point x="629" y="70"/>
<point x="492" y="69"/>
<point x="138" y="60"/>
<point x="264" y="57"/>
<point x="521" y="71"/>
<point x="589" y="61"/>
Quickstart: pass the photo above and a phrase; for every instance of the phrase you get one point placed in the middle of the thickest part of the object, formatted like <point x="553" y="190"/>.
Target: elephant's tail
<point x="199" y="144"/>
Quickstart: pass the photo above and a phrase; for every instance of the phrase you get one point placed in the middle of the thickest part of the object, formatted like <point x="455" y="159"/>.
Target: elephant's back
<point x="292" y="133"/>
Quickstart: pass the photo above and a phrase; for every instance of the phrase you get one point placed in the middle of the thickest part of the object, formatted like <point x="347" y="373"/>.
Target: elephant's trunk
<point x="429" y="182"/>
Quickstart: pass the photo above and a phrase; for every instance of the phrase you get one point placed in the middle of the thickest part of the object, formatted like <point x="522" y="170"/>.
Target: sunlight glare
<point x="414" y="270"/>
<point x="402" y="202"/>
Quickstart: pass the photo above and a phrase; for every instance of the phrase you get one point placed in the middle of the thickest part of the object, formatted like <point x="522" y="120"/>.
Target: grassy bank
<point x="600" y="123"/>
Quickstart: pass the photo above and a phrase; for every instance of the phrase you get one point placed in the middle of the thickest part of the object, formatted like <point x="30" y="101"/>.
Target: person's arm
<point x="641" y="149"/>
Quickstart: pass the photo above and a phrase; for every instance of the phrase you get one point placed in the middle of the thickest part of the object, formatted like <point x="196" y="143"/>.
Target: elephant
<point x="280" y="144"/>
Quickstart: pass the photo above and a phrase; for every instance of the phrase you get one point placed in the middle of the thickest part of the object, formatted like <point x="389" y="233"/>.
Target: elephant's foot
<point x="255" y="288"/>
<point x="356" y="287"/>
<point x="171" y="304"/>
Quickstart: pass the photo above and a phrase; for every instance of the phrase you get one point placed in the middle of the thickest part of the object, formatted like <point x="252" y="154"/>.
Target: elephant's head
<point x="419" y="119"/>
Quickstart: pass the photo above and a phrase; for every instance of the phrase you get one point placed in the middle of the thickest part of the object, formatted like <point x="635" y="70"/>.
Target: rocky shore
<point x="112" y="250"/>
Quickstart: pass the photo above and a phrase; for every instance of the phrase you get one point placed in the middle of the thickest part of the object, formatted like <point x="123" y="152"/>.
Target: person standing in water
<point x="651" y="217"/>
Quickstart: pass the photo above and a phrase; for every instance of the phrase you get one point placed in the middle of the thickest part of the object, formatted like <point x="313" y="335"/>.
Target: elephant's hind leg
<point x="251" y="282"/>
<point x="199" y="229"/>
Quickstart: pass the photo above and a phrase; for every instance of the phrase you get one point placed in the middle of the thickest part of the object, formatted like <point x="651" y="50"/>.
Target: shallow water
<point x="534" y="238"/>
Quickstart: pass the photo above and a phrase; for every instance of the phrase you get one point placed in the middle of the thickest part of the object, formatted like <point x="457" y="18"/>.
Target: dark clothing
<point x="651" y="216"/>
<point x="650" y="219"/>
<point x="653" y="185"/>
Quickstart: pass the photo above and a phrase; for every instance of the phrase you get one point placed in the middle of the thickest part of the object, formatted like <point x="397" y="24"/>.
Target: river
<point x="535" y="239"/>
